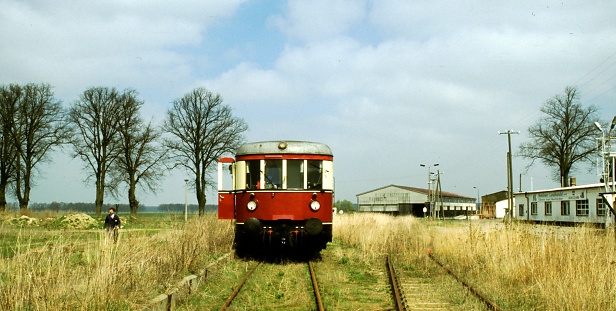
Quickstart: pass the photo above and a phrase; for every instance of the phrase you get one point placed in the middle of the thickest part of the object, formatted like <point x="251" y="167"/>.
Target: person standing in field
<point x="112" y="224"/>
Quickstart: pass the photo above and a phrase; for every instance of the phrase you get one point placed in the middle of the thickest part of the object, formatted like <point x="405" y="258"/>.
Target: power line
<point x="587" y="74"/>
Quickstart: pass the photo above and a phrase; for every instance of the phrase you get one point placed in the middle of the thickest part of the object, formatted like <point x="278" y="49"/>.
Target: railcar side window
<point x="253" y="171"/>
<point x="315" y="174"/>
<point x="295" y="174"/>
<point x="273" y="174"/>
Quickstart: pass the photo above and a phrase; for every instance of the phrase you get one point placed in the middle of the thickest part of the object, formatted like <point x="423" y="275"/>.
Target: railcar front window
<point x="315" y="174"/>
<point x="295" y="174"/>
<point x="253" y="174"/>
<point x="273" y="174"/>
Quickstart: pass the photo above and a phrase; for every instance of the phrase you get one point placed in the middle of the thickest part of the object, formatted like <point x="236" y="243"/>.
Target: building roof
<point x="495" y="197"/>
<point x="589" y="186"/>
<point x="419" y="190"/>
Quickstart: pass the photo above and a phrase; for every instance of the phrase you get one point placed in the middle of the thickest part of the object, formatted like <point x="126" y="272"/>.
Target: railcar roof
<point x="284" y="147"/>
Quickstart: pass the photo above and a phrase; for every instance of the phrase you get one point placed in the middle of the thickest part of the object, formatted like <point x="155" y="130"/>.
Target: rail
<point x="395" y="289"/>
<point x="489" y="303"/>
<point x="315" y="287"/>
<point x="183" y="288"/>
<point x="238" y="288"/>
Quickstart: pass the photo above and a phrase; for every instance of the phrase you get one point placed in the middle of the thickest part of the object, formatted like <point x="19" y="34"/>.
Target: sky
<point x="387" y="84"/>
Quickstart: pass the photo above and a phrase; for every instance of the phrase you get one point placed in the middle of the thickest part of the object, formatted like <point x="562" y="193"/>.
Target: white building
<point x="576" y="204"/>
<point x="402" y="200"/>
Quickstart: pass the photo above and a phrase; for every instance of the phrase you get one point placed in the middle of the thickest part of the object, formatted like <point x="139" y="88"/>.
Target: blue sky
<point x="388" y="84"/>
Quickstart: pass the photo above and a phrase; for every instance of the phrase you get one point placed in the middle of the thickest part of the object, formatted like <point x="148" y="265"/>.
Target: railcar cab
<point x="279" y="193"/>
<point x="298" y="171"/>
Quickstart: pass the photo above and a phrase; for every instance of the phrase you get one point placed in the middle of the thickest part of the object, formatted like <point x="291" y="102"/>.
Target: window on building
<point x="600" y="207"/>
<point x="533" y="208"/>
<point x="521" y="210"/>
<point x="548" y="208"/>
<point x="564" y="208"/>
<point x="581" y="207"/>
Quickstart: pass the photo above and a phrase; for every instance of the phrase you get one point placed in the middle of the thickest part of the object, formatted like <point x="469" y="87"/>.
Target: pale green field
<point x="51" y="268"/>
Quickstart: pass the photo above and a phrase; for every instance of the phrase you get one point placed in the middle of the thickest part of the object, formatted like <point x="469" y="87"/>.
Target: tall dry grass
<point x="378" y="234"/>
<point x="524" y="267"/>
<point x="101" y="275"/>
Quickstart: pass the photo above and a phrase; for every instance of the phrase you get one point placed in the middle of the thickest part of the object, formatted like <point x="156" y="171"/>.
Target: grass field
<point x="49" y="268"/>
<point x="523" y="267"/>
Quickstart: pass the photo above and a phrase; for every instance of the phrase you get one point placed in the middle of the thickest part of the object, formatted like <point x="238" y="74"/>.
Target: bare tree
<point x="141" y="157"/>
<point x="37" y="129"/>
<point x="564" y="136"/>
<point x="93" y="120"/>
<point x="201" y="130"/>
<point x="9" y="99"/>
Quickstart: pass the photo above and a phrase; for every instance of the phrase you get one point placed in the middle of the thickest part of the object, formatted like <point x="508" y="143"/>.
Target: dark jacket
<point x="110" y="223"/>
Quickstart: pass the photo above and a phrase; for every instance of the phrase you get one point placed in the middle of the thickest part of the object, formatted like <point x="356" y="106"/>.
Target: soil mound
<point x="77" y="221"/>
<point x="23" y="221"/>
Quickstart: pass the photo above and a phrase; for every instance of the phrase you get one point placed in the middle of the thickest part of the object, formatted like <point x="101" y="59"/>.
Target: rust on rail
<point x="399" y="305"/>
<point x="315" y="286"/>
<point x="489" y="303"/>
<point x="238" y="288"/>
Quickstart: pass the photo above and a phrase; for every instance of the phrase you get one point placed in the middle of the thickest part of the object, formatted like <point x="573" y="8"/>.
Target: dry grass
<point x="97" y="275"/>
<point x="525" y="267"/>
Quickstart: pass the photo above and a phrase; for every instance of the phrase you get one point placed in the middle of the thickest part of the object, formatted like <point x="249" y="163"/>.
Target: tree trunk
<point x="23" y="200"/>
<point x="201" y="198"/>
<point x="100" y="195"/>
<point x="25" y="197"/>
<point x="132" y="199"/>
<point x="2" y="198"/>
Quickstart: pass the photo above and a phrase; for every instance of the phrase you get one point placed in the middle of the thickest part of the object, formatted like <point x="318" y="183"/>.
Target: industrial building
<point x="494" y="205"/>
<point x="402" y="200"/>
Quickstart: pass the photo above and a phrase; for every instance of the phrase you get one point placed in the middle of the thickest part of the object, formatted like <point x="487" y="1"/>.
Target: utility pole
<point x="609" y="154"/>
<point x="186" y="200"/>
<point x="439" y="194"/>
<point x="509" y="173"/>
<point x="431" y="211"/>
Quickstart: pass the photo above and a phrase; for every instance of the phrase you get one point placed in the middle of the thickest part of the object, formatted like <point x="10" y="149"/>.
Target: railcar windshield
<point x="295" y="174"/>
<point x="315" y="174"/>
<point x="253" y="174"/>
<point x="292" y="174"/>
<point x="273" y="174"/>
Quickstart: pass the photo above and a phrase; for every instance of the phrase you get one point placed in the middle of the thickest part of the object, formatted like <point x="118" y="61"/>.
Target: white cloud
<point x="320" y="20"/>
<point x="415" y="81"/>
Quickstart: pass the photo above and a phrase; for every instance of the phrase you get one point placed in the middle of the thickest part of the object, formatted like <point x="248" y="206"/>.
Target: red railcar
<point x="281" y="195"/>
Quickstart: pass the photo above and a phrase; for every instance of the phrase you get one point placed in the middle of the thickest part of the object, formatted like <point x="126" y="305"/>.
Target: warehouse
<point x="402" y="200"/>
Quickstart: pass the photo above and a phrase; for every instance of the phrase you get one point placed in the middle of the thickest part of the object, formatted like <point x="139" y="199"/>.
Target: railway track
<point x="416" y="293"/>
<point x="315" y="287"/>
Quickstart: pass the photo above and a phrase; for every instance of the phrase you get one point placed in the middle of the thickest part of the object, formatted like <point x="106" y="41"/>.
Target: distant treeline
<point x="192" y="208"/>
<point x="122" y="208"/>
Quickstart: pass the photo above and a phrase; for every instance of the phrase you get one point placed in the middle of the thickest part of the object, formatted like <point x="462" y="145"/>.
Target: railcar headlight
<point x="251" y="205"/>
<point x="315" y="205"/>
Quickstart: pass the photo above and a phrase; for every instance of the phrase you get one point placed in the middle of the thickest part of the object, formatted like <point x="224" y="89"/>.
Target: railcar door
<point x="226" y="193"/>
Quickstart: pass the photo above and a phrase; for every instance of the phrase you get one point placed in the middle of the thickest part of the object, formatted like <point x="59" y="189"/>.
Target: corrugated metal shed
<point x="402" y="200"/>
